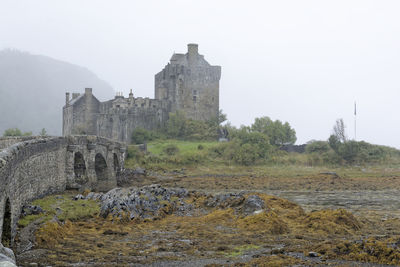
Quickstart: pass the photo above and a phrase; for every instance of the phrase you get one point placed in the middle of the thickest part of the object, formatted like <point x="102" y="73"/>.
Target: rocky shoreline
<point x="157" y="225"/>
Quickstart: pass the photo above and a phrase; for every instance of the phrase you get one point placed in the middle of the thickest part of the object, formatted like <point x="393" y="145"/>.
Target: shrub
<point x="171" y="149"/>
<point x="180" y="127"/>
<point x="246" y="148"/>
<point x="352" y="152"/>
<point x="16" y="132"/>
<point x="317" y="147"/>
<point x="192" y="158"/>
<point x="43" y="132"/>
<point x="141" y="136"/>
<point x="133" y="152"/>
<point x="218" y="150"/>
<point x="246" y="154"/>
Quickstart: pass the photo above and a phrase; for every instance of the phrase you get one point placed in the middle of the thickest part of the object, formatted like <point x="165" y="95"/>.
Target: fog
<point x="305" y="62"/>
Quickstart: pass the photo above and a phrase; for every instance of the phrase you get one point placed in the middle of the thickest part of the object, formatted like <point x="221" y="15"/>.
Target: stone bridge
<point x="32" y="167"/>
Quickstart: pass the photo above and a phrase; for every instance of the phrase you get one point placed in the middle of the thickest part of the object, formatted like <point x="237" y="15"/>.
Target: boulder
<point x="79" y="196"/>
<point x="31" y="209"/>
<point x="144" y="202"/>
<point x="139" y="171"/>
<point x="253" y="204"/>
<point x="7" y="257"/>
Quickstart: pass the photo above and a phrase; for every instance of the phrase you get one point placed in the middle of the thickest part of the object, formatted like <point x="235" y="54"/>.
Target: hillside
<point x="32" y="90"/>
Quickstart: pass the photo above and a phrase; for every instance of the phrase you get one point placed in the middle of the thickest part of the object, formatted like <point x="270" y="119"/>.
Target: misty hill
<point x="32" y="90"/>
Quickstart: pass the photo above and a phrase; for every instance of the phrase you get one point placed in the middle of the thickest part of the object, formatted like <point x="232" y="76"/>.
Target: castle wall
<point x="120" y="117"/>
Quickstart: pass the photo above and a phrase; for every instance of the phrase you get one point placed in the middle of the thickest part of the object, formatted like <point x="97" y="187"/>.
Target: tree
<point x="317" y="147"/>
<point x="339" y="130"/>
<point x="349" y="151"/>
<point x="334" y="142"/>
<point x="43" y="132"/>
<point x="180" y="127"/>
<point x="16" y="132"/>
<point x="221" y="117"/>
<point x="141" y="136"/>
<point x="176" y="125"/>
<point x="12" y="132"/>
<point x="277" y="132"/>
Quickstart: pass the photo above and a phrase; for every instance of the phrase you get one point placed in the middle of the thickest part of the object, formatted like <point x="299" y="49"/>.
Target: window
<point x="194" y="95"/>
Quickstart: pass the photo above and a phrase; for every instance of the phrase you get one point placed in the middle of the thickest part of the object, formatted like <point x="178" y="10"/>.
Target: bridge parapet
<point x="11" y="140"/>
<point x="39" y="166"/>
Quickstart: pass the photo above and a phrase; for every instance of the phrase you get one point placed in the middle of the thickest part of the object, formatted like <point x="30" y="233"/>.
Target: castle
<point x="187" y="83"/>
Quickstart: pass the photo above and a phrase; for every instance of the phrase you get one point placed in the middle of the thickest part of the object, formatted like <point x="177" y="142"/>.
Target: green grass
<point x="184" y="147"/>
<point x="157" y="159"/>
<point x="62" y="206"/>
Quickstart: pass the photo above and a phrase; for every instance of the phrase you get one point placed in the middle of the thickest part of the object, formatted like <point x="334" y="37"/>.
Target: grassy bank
<point x="199" y="158"/>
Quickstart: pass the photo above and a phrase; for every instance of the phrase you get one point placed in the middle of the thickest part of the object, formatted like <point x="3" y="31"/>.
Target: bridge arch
<point x="100" y="166"/>
<point x="117" y="166"/>
<point x="80" y="168"/>
<point x="6" y="233"/>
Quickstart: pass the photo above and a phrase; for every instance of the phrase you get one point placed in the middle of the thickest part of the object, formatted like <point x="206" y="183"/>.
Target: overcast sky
<point x="304" y="62"/>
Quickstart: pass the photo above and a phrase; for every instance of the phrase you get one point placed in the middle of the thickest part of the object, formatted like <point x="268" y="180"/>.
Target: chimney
<point x="193" y="49"/>
<point x="193" y="52"/>
<point x="75" y="95"/>
<point x="88" y="91"/>
<point x="67" y="99"/>
<point x="131" y="95"/>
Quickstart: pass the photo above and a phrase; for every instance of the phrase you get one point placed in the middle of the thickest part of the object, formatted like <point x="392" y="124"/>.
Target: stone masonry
<point x="38" y="166"/>
<point x="188" y="83"/>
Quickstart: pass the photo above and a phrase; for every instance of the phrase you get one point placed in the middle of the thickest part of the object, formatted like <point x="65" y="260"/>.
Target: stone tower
<point x="190" y="84"/>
